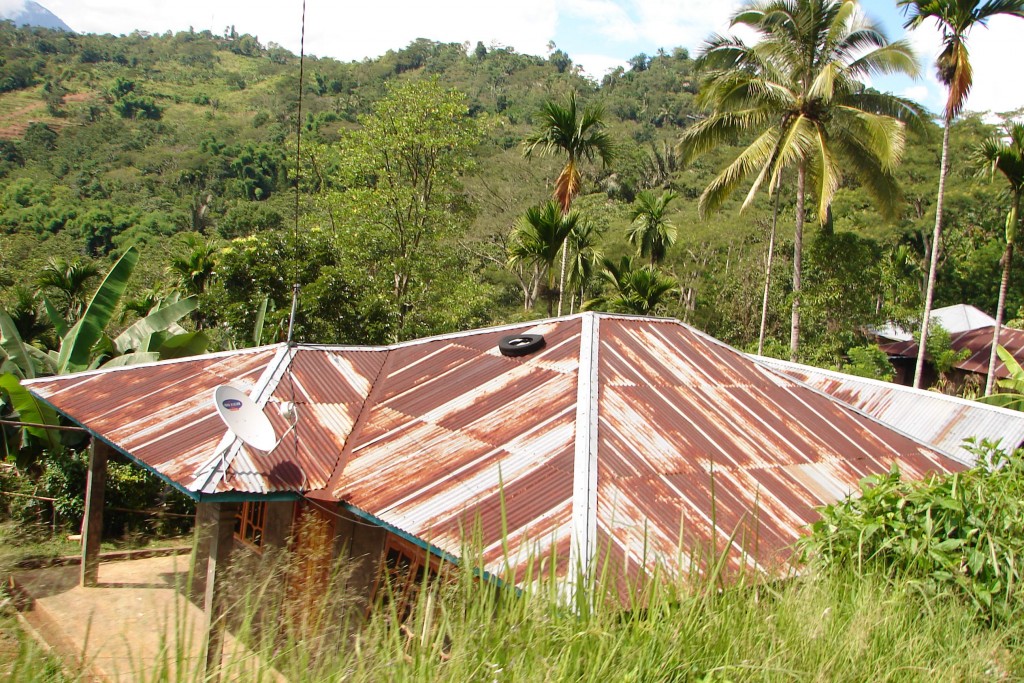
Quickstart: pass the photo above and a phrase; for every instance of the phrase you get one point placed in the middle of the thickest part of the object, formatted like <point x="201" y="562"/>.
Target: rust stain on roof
<point x="696" y="447"/>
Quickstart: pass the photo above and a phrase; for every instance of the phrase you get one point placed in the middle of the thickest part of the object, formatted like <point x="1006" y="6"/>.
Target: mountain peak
<point x="30" y="13"/>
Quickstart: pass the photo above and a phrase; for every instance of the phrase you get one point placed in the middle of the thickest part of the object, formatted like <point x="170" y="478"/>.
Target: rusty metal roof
<point x="634" y="440"/>
<point x="978" y="342"/>
<point x="942" y="421"/>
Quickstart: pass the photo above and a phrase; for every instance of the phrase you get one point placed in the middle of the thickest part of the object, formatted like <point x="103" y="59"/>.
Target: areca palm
<point x="1005" y="155"/>
<point x="581" y="137"/>
<point x="652" y="232"/>
<point x="799" y="91"/>
<point x="955" y="18"/>
<point x="71" y="281"/>
<point x="637" y="290"/>
<point x="583" y="258"/>
<point x="194" y="269"/>
<point x="539" y="237"/>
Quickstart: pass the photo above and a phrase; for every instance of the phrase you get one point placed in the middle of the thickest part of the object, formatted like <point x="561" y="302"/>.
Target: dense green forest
<point x="412" y="181"/>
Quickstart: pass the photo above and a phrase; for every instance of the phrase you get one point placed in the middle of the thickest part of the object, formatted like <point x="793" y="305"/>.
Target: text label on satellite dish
<point x="244" y="418"/>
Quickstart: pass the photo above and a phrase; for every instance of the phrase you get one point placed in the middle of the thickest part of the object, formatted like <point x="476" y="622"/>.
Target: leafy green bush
<point x="869" y="361"/>
<point x="129" y="491"/>
<point x="961" y="534"/>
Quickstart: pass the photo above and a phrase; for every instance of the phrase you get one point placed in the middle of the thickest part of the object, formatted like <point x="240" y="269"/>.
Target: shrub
<point x="961" y="534"/>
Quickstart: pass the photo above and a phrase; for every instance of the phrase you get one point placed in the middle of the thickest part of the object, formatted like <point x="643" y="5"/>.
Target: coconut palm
<point x="955" y="18"/>
<point x="798" y="90"/>
<point x="652" y="232"/>
<point x="1006" y="155"/>
<point x="581" y="137"/>
<point x="539" y="237"/>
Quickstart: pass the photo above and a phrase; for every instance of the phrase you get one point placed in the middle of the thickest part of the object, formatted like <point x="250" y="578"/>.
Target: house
<point x="954" y="319"/>
<point x="603" y="445"/>
<point x="973" y="368"/>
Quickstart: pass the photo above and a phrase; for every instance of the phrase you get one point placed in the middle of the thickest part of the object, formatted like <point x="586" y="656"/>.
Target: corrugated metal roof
<point x="636" y="440"/>
<point x="942" y="421"/>
<point x="954" y="319"/>
<point x="978" y="342"/>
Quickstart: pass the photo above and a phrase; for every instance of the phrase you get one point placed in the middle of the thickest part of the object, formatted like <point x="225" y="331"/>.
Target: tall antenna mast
<point x="298" y="174"/>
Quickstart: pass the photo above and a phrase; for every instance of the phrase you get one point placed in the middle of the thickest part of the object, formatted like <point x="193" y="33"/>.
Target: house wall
<point x="278" y="527"/>
<point x="361" y="545"/>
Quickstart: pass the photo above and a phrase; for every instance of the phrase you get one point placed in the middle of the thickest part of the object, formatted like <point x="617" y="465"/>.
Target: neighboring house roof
<point x="954" y="319"/>
<point x="978" y="342"/>
<point x="943" y="421"/>
<point x="635" y="440"/>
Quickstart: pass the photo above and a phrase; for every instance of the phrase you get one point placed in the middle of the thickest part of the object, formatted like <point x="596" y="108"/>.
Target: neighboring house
<point x="618" y="444"/>
<point x="972" y="370"/>
<point x="945" y="422"/>
<point x="954" y="319"/>
<point x="969" y="328"/>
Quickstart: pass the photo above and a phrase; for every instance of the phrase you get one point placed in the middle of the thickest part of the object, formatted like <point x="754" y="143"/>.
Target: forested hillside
<point x="412" y="182"/>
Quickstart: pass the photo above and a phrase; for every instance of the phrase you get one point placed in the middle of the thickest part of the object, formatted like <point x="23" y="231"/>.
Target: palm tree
<point x="652" y="232"/>
<point x="640" y="291"/>
<point x="195" y="268"/>
<point x="584" y="257"/>
<point x="799" y="91"/>
<point x="578" y="135"/>
<point x="538" y="238"/>
<point x="1005" y="155"/>
<point x="71" y="281"/>
<point x="956" y="18"/>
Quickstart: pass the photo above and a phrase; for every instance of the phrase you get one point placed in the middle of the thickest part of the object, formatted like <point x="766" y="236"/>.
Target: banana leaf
<point x="138" y="335"/>
<point x="132" y="359"/>
<point x="76" y="347"/>
<point x="60" y="325"/>
<point x="261" y="315"/>
<point x="30" y="409"/>
<point x="10" y="341"/>
<point x="182" y="345"/>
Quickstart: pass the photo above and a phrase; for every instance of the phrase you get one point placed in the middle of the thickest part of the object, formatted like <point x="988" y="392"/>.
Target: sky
<point x="597" y="34"/>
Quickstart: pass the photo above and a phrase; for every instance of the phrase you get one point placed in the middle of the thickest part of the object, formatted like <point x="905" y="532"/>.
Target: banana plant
<point x="18" y="363"/>
<point x="85" y="346"/>
<point x="1012" y="394"/>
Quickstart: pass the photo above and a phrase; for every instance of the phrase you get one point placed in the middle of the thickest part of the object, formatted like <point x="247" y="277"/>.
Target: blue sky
<point x="597" y="34"/>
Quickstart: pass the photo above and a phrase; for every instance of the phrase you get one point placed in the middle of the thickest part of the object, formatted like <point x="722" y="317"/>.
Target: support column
<point x="220" y="534"/>
<point x="92" y="520"/>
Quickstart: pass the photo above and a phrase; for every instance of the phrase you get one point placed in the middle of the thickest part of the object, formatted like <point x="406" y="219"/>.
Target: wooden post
<point x="220" y="535"/>
<point x="92" y="521"/>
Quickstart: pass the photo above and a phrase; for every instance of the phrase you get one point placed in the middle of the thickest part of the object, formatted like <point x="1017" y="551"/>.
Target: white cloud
<point x="11" y="8"/>
<point x="596" y="66"/>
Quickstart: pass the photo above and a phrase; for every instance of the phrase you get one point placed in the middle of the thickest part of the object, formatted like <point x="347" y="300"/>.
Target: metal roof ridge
<point x="584" y="483"/>
<point x="169" y="361"/>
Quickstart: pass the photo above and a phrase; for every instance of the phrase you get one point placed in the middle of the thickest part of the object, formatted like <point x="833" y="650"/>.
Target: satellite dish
<point x="243" y="418"/>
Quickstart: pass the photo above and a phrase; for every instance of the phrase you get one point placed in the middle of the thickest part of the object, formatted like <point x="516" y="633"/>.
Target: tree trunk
<point x="1004" y="285"/>
<point x="768" y="268"/>
<point x="798" y="248"/>
<point x="929" y="296"/>
<point x="561" y="275"/>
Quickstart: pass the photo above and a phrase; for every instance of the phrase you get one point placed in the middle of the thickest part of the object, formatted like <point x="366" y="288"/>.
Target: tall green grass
<point x="881" y="611"/>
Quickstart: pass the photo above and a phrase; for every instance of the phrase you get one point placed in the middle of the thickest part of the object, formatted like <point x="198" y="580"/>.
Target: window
<point x="402" y="575"/>
<point x="249" y="523"/>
